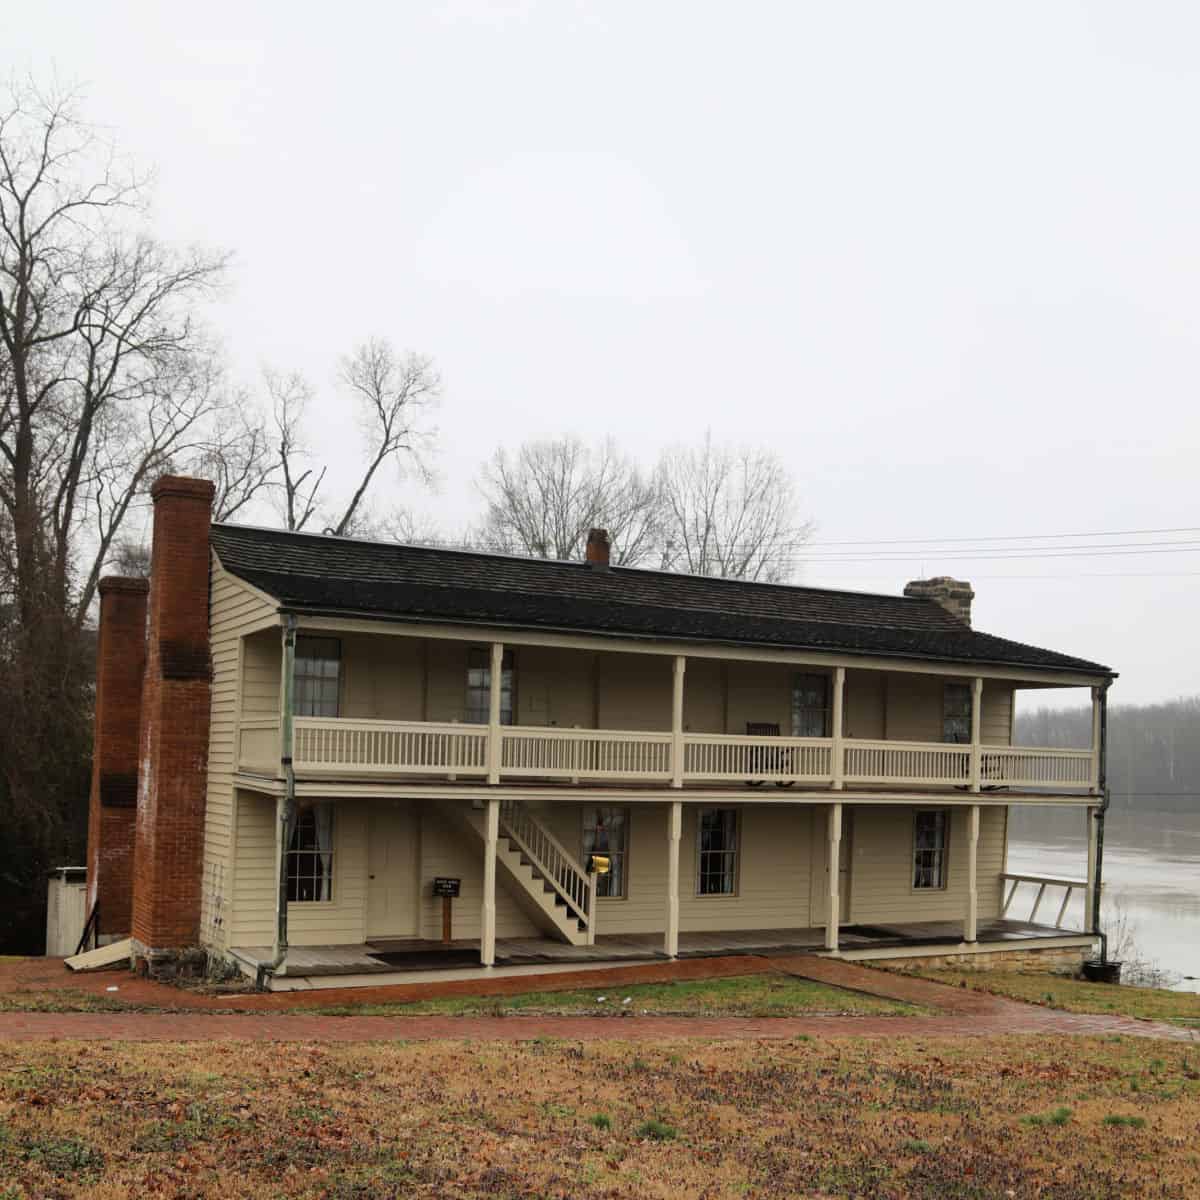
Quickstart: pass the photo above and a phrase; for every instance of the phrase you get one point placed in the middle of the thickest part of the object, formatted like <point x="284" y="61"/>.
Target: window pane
<point x="604" y="832"/>
<point x="956" y="713"/>
<point x="810" y="706"/>
<point x="310" y="856"/>
<point x="717" y="836"/>
<point x="929" y="848"/>
<point x="317" y="676"/>
<point x="479" y="677"/>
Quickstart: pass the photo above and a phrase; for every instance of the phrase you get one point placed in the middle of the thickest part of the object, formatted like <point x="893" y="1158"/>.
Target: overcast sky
<point x="942" y="257"/>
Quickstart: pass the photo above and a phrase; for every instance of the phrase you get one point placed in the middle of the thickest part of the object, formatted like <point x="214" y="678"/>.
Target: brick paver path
<point x="1010" y="1018"/>
<point x="280" y="1016"/>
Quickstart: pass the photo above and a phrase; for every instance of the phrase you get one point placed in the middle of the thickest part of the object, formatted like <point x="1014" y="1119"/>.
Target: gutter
<point x="285" y="807"/>
<point x="1101" y="812"/>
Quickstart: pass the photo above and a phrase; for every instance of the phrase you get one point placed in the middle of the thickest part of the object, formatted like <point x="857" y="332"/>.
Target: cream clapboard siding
<point x="881" y="882"/>
<point x="446" y="849"/>
<point x="233" y="609"/>
<point x="773" y="882"/>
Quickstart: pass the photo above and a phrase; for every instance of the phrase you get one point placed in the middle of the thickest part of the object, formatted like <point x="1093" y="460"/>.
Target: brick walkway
<point x="1011" y="1018"/>
<point x="280" y="1016"/>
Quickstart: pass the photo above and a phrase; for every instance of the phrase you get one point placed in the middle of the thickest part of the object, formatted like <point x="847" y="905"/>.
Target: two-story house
<point x="327" y="756"/>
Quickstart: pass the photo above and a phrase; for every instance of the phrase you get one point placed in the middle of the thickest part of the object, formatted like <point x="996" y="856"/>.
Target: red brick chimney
<point x="597" y="548"/>
<point x="173" y="764"/>
<point x="954" y="595"/>
<point x="120" y="662"/>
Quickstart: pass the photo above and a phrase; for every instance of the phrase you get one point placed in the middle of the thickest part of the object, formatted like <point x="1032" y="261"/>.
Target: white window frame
<point x="942" y="853"/>
<point x="736" y="852"/>
<point x="622" y="853"/>
<point x="477" y="698"/>
<point x="300" y="675"/>
<point x="295" y="854"/>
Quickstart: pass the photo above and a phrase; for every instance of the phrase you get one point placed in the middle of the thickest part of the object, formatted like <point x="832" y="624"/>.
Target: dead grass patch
<point x="914" y="1118"/>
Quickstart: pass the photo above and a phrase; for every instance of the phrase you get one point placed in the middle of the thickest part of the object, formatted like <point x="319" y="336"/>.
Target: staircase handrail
<point x="549" y="856"/>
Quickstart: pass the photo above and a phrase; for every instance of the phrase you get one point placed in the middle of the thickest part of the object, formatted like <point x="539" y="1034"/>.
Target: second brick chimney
<point x="597" y="548"/>
<point x="954" y="595"/>
<point x="173" y="758"/>
<point x="120" y="662"/>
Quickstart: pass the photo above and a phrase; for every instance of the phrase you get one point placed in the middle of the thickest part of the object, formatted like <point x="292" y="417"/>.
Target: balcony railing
<point x="338" y="747"/>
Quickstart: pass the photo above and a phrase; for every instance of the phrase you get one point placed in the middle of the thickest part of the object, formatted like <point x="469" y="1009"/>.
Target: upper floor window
<point x="956" y="713"/>
<point x="810" y="706"/>
<point x="606" y="832"/>
<point x="479" y="686"/>
<point x="717" y="833"/>
<point x="930" y="830"/>
<point x="317" y="677"/>
<point x="310" y="855"/>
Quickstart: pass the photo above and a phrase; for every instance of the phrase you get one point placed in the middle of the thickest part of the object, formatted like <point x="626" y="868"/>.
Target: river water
<point x="1151" y="878"/>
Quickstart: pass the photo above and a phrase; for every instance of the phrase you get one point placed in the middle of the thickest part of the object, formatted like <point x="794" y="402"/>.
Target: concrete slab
<point x="115" y="954"/>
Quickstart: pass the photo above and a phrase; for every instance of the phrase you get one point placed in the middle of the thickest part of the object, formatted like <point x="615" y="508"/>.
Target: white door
<point x="392" y="881"/>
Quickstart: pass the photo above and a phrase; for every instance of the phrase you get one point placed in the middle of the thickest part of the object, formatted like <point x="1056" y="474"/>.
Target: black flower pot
<point x="1101" y="972"/>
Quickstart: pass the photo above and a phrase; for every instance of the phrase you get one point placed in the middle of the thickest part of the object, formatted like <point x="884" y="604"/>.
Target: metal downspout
<point x="285" y="806"/>
<point x="1100" y="814"/>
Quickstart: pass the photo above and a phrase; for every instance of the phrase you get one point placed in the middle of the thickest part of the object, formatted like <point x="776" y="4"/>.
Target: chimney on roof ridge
<point x="954" y="595"/>
<point x="597" y="548"/>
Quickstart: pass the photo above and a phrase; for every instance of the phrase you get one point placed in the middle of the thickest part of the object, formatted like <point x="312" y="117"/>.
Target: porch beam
<point x="495" y="679"/>
<point x="838" y="721"/>
<point x="674" y="837"/>
<point x="662" y="646"/>
<point x="680" y="667"/>
<point x="835" y="855"/>
<point x="971" y="923"/>
<point x="487" y="923"/>
<point x="976" y="730"/>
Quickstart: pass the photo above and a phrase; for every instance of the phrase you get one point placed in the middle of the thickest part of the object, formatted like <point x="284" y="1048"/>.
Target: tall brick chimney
<point x="120" y="662"/>
<point x="597" y="548"/>
<point x="954" y="595"/>
<point x="173" y="762"/>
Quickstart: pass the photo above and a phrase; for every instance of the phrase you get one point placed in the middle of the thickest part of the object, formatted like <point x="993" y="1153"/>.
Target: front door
<point x="819" y="897"/>
<point x="392" y="881"/>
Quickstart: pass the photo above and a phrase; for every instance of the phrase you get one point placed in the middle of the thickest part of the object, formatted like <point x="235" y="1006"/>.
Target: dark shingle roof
<point x="316" y="573"/>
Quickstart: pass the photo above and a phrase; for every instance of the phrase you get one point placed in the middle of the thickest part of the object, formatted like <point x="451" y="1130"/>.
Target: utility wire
<point x="1027" y="537"/>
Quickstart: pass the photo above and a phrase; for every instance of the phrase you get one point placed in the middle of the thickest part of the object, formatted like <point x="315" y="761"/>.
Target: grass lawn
<point x="745" y="996"/>
<point x="1077" y="995"/>
<point x="1060" y="1119"/>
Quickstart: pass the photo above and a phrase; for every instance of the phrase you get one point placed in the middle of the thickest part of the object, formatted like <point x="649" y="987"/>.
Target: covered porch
<point x="416" y="960"/>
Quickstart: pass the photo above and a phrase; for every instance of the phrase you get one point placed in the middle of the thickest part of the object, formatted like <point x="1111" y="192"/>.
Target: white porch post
<point x="839" y="693"/>
<point x="487" y="924"/>
<point x="835" y="856"/>
<point x="677" y="722"/>
<point x="1089" y="903"/>
<point x="495" y="679"/>
<point x="1097" y="707"/>
<point x="976" y="728"/>
<point x="674" y="836"/>
<point x="971" y="924"/>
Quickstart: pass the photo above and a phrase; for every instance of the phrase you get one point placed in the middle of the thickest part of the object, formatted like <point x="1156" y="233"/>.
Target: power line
<point x="1027" y="537"/>
<point x="996" y="556"/>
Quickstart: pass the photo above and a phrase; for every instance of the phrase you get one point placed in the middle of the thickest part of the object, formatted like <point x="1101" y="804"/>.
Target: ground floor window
<point x="310" y="855"/>
<point x="717" y="835"/>
<point x="931" y="828"/>
<point x="606" y="832"/>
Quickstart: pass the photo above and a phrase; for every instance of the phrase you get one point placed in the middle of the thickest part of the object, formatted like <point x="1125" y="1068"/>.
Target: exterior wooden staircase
<point x="551" y="886"/>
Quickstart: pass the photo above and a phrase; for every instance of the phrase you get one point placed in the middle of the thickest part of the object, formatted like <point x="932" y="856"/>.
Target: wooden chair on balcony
<point x="768" y="760"/>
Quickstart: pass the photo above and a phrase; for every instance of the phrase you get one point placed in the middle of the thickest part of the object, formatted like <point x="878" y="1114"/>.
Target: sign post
<point x="448" y="889"/>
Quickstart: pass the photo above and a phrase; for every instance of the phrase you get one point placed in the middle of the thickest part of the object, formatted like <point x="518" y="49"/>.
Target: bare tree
<point x="543" y="499"/>
<point x="729" y="512"/>
<point x="104" y="381"/>
<point x="393" y="394"/>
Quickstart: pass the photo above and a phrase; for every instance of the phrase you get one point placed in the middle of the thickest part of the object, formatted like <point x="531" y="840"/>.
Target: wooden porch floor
<point x="413" y="954"/>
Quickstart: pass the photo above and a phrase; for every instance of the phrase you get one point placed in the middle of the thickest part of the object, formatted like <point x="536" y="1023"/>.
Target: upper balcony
<point x="389" y="707"/>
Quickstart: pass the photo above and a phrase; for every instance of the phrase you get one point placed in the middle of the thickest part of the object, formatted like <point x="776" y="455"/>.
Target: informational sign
<point x="444" y="886"/>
